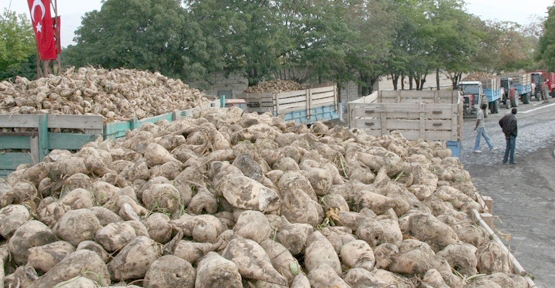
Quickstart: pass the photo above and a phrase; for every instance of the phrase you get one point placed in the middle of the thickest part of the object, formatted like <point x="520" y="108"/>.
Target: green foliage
<point x="155" y="35"/>
<point x="17" y="46"/>
<point x="546" y="49"/>
<point x="307" y="41"/>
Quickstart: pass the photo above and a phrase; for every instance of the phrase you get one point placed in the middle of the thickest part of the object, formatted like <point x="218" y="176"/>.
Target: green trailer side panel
<point x="43" y="136"/>
<point x="10" y="161"/>
<point x="116" y="129"/>
<point x="69" y="141"/>
<point x="167" y="116"/>
<point x="15" y="142"/>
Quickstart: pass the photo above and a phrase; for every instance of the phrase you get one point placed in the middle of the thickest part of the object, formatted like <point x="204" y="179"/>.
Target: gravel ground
<point x="523" y="194"/>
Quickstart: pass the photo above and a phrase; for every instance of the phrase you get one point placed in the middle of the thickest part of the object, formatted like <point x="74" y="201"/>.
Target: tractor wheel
<point x="514" y="102"/>
<point x="526" y="98"/>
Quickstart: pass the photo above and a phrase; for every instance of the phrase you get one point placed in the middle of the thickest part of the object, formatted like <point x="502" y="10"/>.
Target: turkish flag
<point x="57" y="23"/>
<point x="43" y="26"/>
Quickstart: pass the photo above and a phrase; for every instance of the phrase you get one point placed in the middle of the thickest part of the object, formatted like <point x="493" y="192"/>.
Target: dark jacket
<point x="509" y="125"/>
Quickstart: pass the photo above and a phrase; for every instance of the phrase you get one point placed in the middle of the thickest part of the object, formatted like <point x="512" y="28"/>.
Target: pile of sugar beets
<point x="229" y="199"/>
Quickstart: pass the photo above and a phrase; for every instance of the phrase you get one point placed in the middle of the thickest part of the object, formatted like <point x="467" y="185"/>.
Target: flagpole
<point x="58" y="36"/>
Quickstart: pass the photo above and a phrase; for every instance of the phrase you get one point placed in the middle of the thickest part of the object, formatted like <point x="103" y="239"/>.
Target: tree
<point x="155" y="35"/>
<point x="411" y="54"/>
<point x="17" y="46"/>
<point x="251" y="33"/>
<point x="456" y="39"/>
<point x="373" y="22"/>
<point x="546" y="49"/>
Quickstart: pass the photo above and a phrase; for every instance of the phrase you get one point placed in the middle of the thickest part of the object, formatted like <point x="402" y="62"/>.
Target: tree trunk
<point x="410" y="82"/>
<point x="422" y="81"/>
<point x="395" y="80"/>
<point x="403" y="82"/>
<point x="437" y="79"/>
<point x="338" y="92"/>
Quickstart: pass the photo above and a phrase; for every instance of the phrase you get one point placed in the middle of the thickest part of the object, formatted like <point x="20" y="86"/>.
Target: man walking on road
<point x="481" y="130"/>
<point x="510" y="128"/>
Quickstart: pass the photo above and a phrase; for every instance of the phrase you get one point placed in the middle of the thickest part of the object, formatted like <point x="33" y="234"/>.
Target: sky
<point x="519" y="11"/>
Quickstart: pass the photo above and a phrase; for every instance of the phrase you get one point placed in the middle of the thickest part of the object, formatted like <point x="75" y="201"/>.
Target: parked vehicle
<point x="494" y="92"/>
<point x="473" y="96"/>
<point x="541" y="76"/>
<point x="509" y="100"/>
<point x="521" y="82"/>
<point x="303" y="106"/>
<point x="429" y="115"/>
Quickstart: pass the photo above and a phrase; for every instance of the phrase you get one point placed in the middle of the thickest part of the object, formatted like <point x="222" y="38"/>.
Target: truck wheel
<point x="496" y="106"/>
<point x="526" y="98"/>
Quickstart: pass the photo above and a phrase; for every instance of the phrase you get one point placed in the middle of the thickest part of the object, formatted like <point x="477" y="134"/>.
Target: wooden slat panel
<point x="322" y="89"/>
<point x="400" y="96"/>
<point x="69" y="141"/>
<point x="415" y="135"/>
<point x="322" y="102"/>
<point x="330" y="95"/>
<point x="75" y="121"/>
<point x="15" y="142"/>
<point x="366" y="99"/>
<point x="10" y="161"/>
<point x="283" y="101"/>
<point x="399" y="114"/>
<point x="24" y="121"/>
<point x="404" y="107"/>
<point x="397" y="124"/>
<point x="291" y="94"/>
<point x="291" y="107"/>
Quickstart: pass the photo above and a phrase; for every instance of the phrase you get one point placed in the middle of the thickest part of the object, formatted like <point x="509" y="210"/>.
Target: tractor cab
<point x="473" y="94"/>
<point x="510" y="97"/>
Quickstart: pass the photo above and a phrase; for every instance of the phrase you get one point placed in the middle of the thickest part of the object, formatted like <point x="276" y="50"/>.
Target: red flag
<point x="43" y="26"/>
<point x="57" y="23"/>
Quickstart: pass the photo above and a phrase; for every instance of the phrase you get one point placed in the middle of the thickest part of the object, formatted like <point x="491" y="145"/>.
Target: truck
<point x="435" y="115"/>
<point x="538" y="77"/>
<point x="303" y="106"/>
<point x="520" y="82"/>
<point x="478" y="88"/>
<point x="473" y="96"/>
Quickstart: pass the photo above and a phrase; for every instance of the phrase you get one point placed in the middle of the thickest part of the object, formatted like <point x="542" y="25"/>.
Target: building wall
<point x="234" y="82"/>
<point x="349" y="92"/>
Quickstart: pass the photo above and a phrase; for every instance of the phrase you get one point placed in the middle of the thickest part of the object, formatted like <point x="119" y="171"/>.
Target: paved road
<point x="523" y="194"/>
